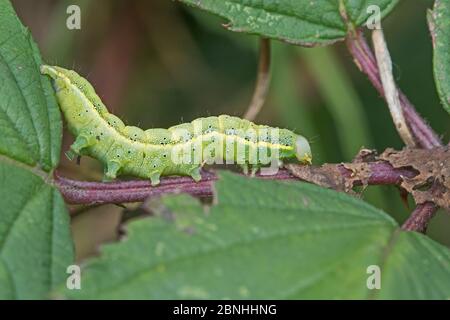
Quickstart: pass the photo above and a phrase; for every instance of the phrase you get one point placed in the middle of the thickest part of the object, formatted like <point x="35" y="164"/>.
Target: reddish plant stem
<point x="90" y="193"/>
<point x="420" y="217"/>
<point x="366" y="62"/>
<point x="425" y="136"/>
<point x="382" y="173"/>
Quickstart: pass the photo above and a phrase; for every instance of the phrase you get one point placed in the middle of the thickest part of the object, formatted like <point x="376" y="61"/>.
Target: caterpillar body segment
<point x="179" y="150"/>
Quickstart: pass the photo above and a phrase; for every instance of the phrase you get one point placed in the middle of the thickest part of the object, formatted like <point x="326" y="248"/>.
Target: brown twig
<point x="423" y="134"/>
<point x="384" y="63"/>
<point x="366" y="62"/>
<point x="262" y="81"/>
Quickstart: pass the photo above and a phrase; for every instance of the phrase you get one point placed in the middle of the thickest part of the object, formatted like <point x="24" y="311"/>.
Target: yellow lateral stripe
<point x="158" y="146"/>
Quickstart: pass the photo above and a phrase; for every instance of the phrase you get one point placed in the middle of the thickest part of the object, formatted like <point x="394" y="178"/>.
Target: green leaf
<point x="302" y="22"/>
<point x="439" y="22"/>
<point x="30" y="122"/>
<point x="266" y="240"/>
<point x="35" y="243"/>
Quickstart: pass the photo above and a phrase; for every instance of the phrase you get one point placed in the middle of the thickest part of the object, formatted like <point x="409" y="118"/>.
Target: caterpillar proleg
<point x="180" y="150"/>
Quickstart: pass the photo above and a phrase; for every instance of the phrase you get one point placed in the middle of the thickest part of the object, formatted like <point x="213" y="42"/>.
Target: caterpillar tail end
<point x="70" y="154"/>
<point x="47" y="69"/>
<point x="52" y="72"/>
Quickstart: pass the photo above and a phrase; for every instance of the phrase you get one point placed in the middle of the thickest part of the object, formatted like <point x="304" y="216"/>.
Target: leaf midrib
<point x="35" y="170"/>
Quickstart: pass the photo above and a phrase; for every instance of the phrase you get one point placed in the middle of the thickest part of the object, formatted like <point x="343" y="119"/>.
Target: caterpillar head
<point x="303" y="150"/>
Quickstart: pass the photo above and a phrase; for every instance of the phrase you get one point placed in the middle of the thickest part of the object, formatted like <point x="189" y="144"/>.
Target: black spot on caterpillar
<point x="179" y="150"/>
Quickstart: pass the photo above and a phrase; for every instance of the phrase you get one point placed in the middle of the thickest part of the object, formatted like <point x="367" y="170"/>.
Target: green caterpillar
<point x="179" y="150"/>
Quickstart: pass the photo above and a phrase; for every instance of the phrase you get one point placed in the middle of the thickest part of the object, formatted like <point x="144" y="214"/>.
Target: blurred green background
<point x="158" y="63"/>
